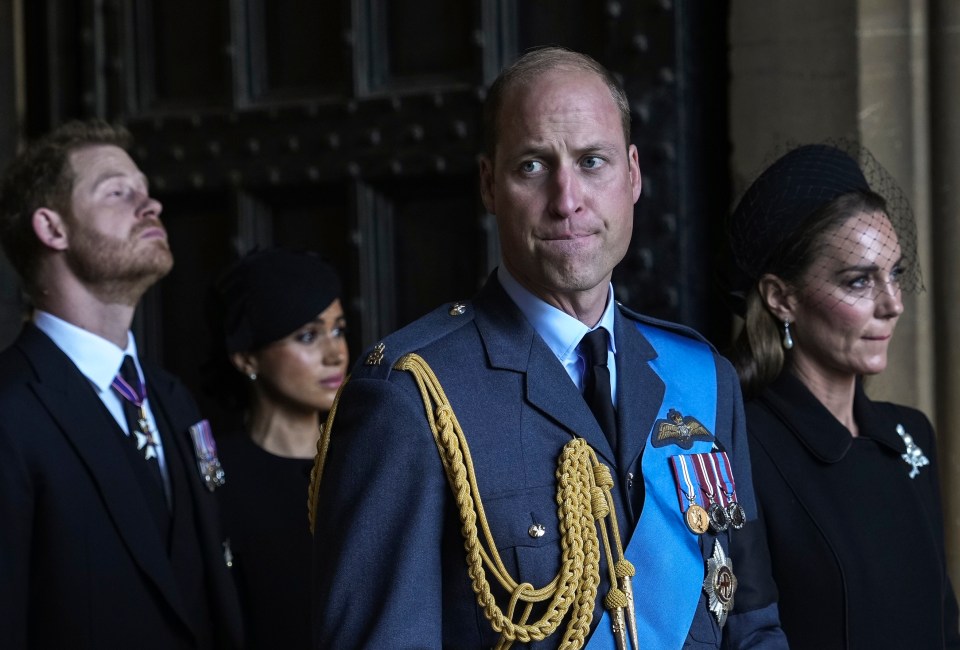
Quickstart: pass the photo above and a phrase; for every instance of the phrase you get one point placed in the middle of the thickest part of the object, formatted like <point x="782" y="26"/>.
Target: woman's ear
<point x="779" y="297"/>
<point x="244" y="362"/>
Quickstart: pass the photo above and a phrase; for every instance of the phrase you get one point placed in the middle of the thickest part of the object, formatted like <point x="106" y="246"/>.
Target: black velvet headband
<point x="778" y="204"/>
<point x="269" y="294"/>
<point x="783" y="196"/>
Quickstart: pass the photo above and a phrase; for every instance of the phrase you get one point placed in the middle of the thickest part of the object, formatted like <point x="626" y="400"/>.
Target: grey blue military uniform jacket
<point x="389" y="560"/>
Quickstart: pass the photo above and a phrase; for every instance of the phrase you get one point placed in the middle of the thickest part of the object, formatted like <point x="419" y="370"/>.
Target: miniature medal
<point x="205" y="449"/>
<point x="735" y="515"/>
<point x="720" y="584"/>
<point x="695" y="516"/>
<point x="719" y="520"/>
<point x="734" y="511"/>
<point x="697" y="519"/>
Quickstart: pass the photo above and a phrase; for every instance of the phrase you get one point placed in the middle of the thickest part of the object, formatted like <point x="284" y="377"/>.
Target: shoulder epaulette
<point x="377" y="361"/>
<point x="670" y="326"/>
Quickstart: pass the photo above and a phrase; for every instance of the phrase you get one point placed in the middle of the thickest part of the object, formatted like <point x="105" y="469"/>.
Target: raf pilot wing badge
<point x="679" y="430"/>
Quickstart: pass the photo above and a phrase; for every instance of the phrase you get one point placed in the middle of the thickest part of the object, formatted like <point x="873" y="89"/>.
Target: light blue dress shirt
<point x="562" y="332"/>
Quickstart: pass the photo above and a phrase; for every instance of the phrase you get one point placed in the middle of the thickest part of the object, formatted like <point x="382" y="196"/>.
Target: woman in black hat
<point x="847" y="487"/>
<point x="284" y="356"/>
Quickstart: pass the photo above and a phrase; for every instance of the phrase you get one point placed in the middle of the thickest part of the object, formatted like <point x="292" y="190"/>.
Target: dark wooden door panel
<point x="353" y="127"/>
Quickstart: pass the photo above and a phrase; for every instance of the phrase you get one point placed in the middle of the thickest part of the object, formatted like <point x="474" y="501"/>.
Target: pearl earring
<point x="787" y="339"/>
<point x="252" y="376"/>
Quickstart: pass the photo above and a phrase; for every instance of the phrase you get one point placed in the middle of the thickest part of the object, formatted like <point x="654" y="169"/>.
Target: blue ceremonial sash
<point x="666" y="554"/>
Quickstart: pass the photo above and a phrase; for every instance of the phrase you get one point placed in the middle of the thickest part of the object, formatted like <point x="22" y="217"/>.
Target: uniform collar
<point x="559" y="330"/>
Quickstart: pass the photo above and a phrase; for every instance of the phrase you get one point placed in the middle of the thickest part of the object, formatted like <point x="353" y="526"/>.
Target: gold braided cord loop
<point x="316" y="472"/>
<point x="582" y="503"/>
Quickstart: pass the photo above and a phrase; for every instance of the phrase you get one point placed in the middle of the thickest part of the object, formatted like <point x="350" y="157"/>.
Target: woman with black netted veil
<point x="283" y="356"/>
<point x="847" y="487"/>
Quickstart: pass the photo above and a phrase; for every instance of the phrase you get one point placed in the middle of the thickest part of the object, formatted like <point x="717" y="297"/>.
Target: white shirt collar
<point x="97" y="358"/>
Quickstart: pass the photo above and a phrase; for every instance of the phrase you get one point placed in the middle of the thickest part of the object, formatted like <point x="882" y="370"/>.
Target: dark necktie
<point x="596" y="382"/>
<point x="133" y="392"/>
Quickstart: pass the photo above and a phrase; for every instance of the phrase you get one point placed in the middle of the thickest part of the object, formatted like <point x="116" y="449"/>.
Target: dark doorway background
<point x="352" y="127"/>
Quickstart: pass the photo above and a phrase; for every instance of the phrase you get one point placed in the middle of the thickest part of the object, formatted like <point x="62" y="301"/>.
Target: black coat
<point x="856" y="544"/>
<point x="82" y="561"/>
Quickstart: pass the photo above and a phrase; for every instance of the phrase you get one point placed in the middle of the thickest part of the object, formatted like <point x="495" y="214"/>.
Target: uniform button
<point x="536" y="530"/>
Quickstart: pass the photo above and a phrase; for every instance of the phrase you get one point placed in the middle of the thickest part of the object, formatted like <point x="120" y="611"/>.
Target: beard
<point x="118" y="270"/>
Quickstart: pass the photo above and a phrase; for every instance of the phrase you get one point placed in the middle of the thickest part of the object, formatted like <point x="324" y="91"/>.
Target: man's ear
<point x="487" y="192"/>
<point x="50" y="229"/>
<point x="778" y="296"/>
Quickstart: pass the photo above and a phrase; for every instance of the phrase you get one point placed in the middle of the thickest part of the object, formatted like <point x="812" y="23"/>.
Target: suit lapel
<point x="639" y="390"/>
<point x="512" y="344"/>
<point x="86" y="423"/>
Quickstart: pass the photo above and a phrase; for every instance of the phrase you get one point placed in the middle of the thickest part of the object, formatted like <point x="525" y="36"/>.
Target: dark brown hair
<point x="41" y="177"/>
<point x="757" y="354"/>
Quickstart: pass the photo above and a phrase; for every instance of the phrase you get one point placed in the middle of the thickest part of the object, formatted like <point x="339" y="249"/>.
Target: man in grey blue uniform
<point x="398" y="529"/>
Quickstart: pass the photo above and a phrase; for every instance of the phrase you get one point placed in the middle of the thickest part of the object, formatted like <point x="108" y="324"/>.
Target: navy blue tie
<point x="596" y="382"/>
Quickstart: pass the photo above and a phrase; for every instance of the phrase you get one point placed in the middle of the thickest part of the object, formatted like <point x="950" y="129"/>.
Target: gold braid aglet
<point x="323" y="446"/>
<point x="574" y="588"/>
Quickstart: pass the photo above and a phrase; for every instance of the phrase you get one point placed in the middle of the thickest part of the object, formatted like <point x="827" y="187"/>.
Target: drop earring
<point x="787" y="339"/>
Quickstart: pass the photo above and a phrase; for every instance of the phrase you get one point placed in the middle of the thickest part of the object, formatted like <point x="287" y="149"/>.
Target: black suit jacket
<point x="82" y="563"/>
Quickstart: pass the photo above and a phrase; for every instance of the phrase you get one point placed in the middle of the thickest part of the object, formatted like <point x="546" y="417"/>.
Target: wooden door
<point x="352" y="127"/>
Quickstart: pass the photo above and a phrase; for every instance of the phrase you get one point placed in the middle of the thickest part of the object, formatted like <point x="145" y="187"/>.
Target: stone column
<point x="945" y="185"/>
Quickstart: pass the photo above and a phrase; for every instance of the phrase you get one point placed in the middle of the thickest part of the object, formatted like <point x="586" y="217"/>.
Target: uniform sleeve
<point x="755" y="620"/>
<point x="16" y="522"/>
<point x="377" y="543"/>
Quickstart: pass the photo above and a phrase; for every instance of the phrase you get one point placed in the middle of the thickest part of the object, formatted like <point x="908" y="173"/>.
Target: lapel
<point x="511" y="343"/>
<point x="171" y="402"/>
<point x="67" y="395"/>
<point x="639" y="390"/>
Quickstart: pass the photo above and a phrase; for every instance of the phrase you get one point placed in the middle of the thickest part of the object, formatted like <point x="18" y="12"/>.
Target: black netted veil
<point x="797" y="186"/>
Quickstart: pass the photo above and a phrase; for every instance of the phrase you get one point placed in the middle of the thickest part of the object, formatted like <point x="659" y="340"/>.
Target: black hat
<point x="783" y="196"/>
<point x="268" y="294"/>
<point x="779" y="203"/>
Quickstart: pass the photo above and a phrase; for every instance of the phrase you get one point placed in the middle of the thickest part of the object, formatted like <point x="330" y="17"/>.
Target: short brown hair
<point x="41" y="176"/>
<point x="537" y="62"/>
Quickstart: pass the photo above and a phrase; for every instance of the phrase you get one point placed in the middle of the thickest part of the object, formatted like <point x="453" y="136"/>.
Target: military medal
<point x="205" y="449"/>
<point x="146" y="438"/>
<point x="697" y="519"/>
<point x="735" y="513"/>
<point x="146" y="441"/>
<point x="694" y="515"/>
<point x="719" y="584"/>
<point x="914" y="456"/>
<point x="719" y="521"/>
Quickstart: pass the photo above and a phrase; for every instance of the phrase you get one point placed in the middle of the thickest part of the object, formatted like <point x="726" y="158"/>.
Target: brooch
<point x="914" y="456"/>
